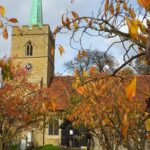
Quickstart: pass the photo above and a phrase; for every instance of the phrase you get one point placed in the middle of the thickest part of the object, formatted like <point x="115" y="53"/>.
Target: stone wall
<point x="42" y="59"/>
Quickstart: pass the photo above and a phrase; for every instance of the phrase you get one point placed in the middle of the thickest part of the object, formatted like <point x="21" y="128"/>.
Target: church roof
<point x="61" y="89"/>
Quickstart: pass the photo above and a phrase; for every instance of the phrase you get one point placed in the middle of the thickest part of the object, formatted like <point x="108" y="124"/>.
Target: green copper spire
<point x="36" y="13"/>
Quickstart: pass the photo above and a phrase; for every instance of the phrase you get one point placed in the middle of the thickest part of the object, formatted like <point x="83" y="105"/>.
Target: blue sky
<point x="52" y="12"/>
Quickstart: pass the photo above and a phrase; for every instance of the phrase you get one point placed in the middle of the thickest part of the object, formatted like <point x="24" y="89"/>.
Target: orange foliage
<point x="22" y="104"/>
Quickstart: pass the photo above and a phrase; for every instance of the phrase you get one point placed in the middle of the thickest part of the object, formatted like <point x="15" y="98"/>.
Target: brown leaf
<point x="13" y="20"/>
<point x="68" y="23"/>
<point x="125" y="6"/>
<point x="62" y="21"/>
<point x="56" y="30"/>
<point x="86" y="19"/>
<point x="61" y="49"/>
<point x="5" y="33"/>
<point x="75" y="15"/>
<point x="112" y="9"/>
<point x="106" y="6"/>
<point x="1" y="24"/>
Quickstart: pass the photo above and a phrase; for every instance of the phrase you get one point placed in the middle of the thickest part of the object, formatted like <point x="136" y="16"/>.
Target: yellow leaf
<point x="132" y="13"/>
<point x="81" y="90"/>
<point x="147" y="124"/>
<point x="75" y="15"/>
<point x="131" y="89"/>
<point x="75" y="25"/>
<point x="133" y="26"/>
<point x="2" y="11"/>
<point x="61" y="49"/>
<point x="85" y="74"/>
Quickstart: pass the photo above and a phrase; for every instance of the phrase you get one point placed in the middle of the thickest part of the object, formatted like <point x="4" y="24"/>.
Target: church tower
<point x="33" y="47"/>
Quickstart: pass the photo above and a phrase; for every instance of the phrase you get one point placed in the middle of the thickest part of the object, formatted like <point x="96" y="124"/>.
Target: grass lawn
<point x="49" y="147"/>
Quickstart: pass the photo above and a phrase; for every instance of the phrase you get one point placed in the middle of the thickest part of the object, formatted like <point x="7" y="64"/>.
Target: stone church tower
<point x="33" y="47"/>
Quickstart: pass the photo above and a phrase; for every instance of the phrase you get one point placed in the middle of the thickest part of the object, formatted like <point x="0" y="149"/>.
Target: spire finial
<point x="36" y="13"/>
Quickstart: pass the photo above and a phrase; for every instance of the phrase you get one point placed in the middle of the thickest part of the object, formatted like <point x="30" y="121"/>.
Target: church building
<point x="33" y="47"/>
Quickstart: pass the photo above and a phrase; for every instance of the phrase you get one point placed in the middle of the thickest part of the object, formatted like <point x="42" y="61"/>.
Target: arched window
<point x="29" y="49"/>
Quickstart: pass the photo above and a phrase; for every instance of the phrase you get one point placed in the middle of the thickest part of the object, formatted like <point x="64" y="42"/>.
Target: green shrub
<point x="13" y="147"/>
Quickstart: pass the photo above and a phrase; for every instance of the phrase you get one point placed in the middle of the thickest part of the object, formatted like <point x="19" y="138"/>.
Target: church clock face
<point x="28" y="66"/>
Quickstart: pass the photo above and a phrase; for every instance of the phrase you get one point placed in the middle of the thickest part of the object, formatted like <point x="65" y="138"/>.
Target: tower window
<point x="29" y="49"/>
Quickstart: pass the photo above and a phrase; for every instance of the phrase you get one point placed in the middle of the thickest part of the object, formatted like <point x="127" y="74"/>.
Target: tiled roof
<point x="60" y="89"/>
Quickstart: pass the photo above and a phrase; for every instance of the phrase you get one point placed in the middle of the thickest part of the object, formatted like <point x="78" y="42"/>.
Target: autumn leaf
<point x="133" y="26"/>
<point x="2" y="11"/>
<point x="1" y="24"/>
<point x="112" y="9"/>
<point x="118" y="7"/>
<point x="81" y="90"/>
<point x="144" y="3"/>
<point x="86" y="19"/>
<point x="106" y="6"/>
<point x="68" y="23"/>
<point x="79" y="57"/>
<point x="92" y="70"/>
<point x="125" y="6"/>
<point x="56" y="30"/>
<point x="61" y="50"/>
<point x="62" y="20"/>
<point x="13" y="20"/>
<point x="75" y="25"/>
<point x="125" y="125"/>
<point x="5" y="33"/>
<point x="147" y="124"/>
<point x="131" y="89"/>
<point x="75" y="15"/>
<point x="132" y="13"/>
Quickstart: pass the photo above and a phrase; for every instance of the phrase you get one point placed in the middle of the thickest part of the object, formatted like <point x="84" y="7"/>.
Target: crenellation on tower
<point x="26" y="30"/>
